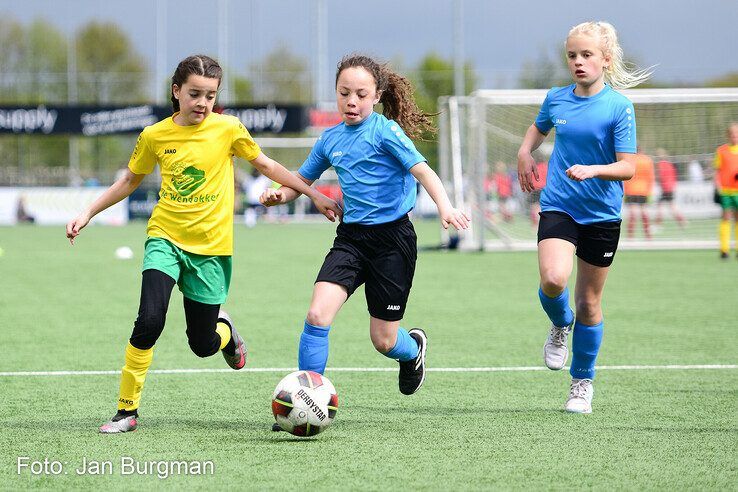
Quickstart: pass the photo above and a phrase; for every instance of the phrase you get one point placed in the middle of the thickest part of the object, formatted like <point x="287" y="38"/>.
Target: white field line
<point x="371" y="369"/>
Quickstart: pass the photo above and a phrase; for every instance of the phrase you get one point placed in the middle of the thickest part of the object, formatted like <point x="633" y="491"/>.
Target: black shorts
<point x="381" y="256"/>
<point x="667" y="196"/>
<point x="641" y="200"/>
<point x="596" y="243"/>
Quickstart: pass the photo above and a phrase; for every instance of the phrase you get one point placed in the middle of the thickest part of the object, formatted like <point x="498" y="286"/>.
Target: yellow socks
<point x="725" y="236"/>
<point x="225" y="334"/>
<point x="133" y="376"/>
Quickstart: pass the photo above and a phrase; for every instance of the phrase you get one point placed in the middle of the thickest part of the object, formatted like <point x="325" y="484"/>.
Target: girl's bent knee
<point x="318" y="317"/>
<point x="383" y="345"/>
<point x="553" y="284"/>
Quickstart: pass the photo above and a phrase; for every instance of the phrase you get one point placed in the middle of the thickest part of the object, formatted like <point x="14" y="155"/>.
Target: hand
<point x="271" y="197"/>
<point x="456" y="218"/>
<point x="75" y="225"/>
<point x="578" y="172"/>
<point x="327" y="207"/>
<point x="527" y="170"/>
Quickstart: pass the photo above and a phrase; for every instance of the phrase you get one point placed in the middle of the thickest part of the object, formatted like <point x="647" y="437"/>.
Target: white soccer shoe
<point x="580" y="396"/>
<point x="120" y="423"/>
<point x="555" y="351"/>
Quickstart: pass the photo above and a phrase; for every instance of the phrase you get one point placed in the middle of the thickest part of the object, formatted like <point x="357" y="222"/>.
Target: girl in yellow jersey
<point x="190" y="233"/>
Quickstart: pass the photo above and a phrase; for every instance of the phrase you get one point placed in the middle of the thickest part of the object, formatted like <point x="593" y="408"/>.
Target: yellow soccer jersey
<point x="195" y="209"/>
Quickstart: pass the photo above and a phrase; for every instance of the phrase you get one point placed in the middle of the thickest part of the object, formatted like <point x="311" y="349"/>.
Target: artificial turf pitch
<point x="71" y="309"/>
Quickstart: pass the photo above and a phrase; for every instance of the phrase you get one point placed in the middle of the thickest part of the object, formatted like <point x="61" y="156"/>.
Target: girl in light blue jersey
<point x="580" y="205"/>
<point x="378" y="168"/>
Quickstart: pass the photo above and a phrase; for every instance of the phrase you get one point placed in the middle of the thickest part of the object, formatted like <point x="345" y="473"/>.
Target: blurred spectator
<point x="637" y="191"/>
<point x="253" y="186"/>
<point x="695" y="172"/>
<point x="726" y="183"/>
<point x="667" y="176"/>
<point x="22" y="214"/>
<point x="503" y="186"/>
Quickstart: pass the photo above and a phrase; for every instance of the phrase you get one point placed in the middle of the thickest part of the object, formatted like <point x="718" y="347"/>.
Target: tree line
<point x="99" y="64"/>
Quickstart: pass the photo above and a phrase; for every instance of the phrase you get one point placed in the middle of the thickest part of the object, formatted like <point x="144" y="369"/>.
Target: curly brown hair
<point x="395" y="95"/>
<point x="194" y="65"/>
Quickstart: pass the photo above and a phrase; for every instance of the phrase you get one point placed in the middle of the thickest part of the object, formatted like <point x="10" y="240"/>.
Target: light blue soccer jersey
<point x="373" y="161"/>
<point x="589" y="130"/>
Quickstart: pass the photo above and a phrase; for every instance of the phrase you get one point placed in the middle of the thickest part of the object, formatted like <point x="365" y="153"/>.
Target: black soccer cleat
<point x="412" y="372"/>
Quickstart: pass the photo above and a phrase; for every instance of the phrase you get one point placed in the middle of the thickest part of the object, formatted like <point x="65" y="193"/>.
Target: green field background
<point x="72" y="308"/>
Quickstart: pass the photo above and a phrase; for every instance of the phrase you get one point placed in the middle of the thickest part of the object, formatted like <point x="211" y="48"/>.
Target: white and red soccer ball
<point x="304" y="403"/>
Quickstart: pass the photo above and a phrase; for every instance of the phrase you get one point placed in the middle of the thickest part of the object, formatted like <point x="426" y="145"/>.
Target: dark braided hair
<point x="395" y="95"/>
<point x="194" y="65"/>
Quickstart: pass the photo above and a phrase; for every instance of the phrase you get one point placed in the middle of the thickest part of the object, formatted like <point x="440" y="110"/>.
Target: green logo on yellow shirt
<point x="188" y="179"/>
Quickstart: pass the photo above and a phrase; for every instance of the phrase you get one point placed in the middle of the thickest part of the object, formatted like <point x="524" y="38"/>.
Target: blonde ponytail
<point x="620" y="74"/>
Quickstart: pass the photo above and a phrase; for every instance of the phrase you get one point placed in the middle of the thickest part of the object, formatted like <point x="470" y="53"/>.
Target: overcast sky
<point x="689" y="40"/>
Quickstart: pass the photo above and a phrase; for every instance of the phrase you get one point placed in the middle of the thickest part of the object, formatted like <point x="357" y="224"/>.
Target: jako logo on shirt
<point x="170" y="151"/>
<point x="393" y="307"/>
<point x="608" y="254"/>
<point x="559" y="121"/>
<point x="337" y="154"/>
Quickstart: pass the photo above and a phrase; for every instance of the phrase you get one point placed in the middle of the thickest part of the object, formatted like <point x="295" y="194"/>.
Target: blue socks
<point x="313" y="351"/>
<point x="585" y="346"/>
<point x="406" y="348"/>
<point x="312" y="354"/>
<point x="557" y="308"/>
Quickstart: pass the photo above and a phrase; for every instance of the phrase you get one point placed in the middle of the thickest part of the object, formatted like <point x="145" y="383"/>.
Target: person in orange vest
<point x="637" y="190"/>
<point x="726" y="182"/>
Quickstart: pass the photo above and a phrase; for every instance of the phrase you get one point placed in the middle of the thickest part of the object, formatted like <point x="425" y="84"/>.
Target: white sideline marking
<point x="369" y="369"/>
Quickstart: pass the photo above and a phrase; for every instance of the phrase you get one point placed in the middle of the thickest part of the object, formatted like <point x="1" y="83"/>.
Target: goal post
<point x="480" y="136"/>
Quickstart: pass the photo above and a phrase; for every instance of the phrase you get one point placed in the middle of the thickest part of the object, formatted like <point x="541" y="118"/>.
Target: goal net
<point x="678" y="128"/>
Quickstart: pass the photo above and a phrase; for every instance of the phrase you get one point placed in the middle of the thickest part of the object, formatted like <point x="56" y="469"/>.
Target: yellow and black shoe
<point x="236" y="357"/>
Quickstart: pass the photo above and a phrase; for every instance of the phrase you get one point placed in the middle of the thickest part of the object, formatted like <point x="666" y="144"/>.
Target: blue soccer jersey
<point x="589" y="130"/>
<point x="373" y="161"/>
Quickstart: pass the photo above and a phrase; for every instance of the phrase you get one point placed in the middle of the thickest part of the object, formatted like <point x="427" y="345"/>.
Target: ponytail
<point x="395" y="94"/>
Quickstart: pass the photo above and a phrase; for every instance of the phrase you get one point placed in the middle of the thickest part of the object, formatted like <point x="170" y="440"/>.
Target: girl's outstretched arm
<point x="280" y="196"/>
<point x="432" y="184"/>
<point x="119" y="190"/>
<point x="277" y="172"/>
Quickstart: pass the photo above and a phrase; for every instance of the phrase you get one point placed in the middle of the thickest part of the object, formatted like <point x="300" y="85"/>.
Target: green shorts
<point x="729" y="201"/>
<point x="204" y="279"/>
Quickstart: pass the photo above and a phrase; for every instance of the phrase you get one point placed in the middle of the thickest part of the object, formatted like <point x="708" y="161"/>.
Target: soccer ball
<point x="304" y="403"/>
